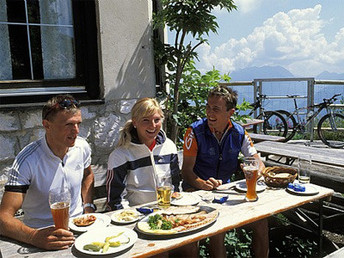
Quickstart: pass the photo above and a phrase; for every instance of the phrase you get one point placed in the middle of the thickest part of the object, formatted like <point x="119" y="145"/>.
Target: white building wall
<point x="126" y="74"/>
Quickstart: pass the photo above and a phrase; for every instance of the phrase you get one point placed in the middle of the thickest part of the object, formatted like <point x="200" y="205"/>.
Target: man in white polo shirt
<point x="59" y="156"/>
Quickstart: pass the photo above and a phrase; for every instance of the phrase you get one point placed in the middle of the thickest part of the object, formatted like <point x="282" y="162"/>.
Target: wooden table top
<point x="232" y="214"/>
<point x="321" y="155"/>
<point x="250" y="122"/>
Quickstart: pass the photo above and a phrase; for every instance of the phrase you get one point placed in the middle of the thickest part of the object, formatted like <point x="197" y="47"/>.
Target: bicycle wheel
<point x="274" y="124"/>
<point x="331" y="131"/>
<point x="291" y="124"/>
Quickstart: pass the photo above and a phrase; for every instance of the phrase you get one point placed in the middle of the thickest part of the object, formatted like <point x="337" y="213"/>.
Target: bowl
<point x="279" y="176"/>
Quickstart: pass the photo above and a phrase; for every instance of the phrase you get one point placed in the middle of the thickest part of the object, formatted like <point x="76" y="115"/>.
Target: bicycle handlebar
<point x="332" y="99"/>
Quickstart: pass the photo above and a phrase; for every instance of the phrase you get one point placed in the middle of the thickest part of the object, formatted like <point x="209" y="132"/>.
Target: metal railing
<point x="307" y="85"/>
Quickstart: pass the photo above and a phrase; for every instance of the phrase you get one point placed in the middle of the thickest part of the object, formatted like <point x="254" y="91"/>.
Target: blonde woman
<point x="143" y="152"/>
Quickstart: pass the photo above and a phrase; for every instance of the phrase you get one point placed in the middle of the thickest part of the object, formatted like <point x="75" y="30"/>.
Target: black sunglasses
<point x="63" y="104"/>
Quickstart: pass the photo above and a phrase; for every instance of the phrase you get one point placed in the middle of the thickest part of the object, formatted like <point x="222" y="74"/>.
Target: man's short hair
<point x="58" y="103"/>
<point x="228" y="94"/>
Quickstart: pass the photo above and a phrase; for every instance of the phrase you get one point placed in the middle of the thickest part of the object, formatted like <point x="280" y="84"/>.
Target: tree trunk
<point x="174" y="124"/>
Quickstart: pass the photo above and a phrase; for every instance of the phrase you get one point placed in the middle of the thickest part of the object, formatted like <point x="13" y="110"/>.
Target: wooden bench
<point x="291" y="152"/>
<point x="99" y="187"/>
<point x="263" y="137"/>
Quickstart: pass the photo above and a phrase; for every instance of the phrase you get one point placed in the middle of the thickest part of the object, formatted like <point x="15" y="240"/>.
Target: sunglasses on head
<point x="63" y="104"/>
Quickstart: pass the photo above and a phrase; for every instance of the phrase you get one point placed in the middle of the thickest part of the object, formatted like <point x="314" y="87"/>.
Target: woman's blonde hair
<point x="143" y="108"/>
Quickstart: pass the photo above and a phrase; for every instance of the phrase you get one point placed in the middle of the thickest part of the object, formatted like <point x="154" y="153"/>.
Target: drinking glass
<point x="164" y="191"/>
<point x="59" y="201"/>
<point x="304" y="166"/>
<point x="250" y="168"/>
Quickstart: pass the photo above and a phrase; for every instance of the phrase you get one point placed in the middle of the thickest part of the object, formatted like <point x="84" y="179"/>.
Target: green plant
<point x="193" y="93"/>
<point x="294" y="246"/>
<point x="186" y="18"/>
<point x="237" y="242"/>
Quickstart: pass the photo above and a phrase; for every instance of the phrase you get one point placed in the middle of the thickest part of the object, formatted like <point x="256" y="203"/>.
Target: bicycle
<point x="274" y="123"/>
<point x="330" y="127"/>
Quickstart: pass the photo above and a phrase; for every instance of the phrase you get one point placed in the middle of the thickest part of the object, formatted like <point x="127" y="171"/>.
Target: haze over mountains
<point x="280" y="88"/>
<point x="250" y="73"/>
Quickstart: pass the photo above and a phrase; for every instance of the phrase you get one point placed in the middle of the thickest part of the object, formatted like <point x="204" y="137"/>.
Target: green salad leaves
<point x="158" y="222"/>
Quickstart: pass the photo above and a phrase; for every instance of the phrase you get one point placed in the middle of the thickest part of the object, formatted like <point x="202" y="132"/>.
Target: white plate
<point x="101" y="222"/>
<point x="241" y="186"/>
<point x="310" y="190"/>
<point x="117" y="219"/>
<point x="187" y="199"/>
<point x="100" y="235"/>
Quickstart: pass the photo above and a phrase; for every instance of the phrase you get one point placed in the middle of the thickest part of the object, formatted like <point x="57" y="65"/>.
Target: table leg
<point x="321" y="213"/>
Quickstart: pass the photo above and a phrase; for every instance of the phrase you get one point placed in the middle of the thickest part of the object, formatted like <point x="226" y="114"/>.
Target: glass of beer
<point x="250" y="168"/>
<point x="59" y="201"/>
<point x="164" y="191"/>
<point x="304" y="167"/>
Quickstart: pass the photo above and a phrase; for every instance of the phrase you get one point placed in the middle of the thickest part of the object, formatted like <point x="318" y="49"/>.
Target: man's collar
<point x="228" y="127"/>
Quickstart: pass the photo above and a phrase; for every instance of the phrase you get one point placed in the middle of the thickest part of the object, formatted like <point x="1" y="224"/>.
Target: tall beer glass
<point x="250" y="168"/>
<point x="59" y="201"/>
<point x="164" y="191"/>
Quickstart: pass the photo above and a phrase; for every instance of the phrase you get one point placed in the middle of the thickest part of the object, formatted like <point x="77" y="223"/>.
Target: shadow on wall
<point x="136" y="76"/>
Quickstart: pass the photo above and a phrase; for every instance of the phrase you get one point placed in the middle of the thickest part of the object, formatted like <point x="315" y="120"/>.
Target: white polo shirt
<point x="36" y="169"/>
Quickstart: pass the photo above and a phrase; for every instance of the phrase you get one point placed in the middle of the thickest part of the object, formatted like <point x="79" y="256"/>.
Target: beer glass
<point x="164" y="191"/>
<point x="250" y="168"/>
<point x="59" y="201"/>
<point x="304" y="167"/>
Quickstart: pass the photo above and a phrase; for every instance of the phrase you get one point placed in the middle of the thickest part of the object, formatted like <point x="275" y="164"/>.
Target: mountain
<point x="251" y="73"/>
<point x="330" y="76"/>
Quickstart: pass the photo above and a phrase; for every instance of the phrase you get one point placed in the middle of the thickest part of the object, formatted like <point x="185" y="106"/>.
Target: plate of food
<point x="89" y="221"/>
<point x="241" y="186"/>
<point x="110" y="240"/>
<point x="186" y="198"/>
<point x="162" y="225"/>
<point x="126" y="216"/>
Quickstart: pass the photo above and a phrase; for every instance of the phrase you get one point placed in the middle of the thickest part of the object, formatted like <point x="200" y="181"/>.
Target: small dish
<point x="187" y="199"/>
<point x="310" y="190"/>
<point x="102" y="221"/>
<point x="126" y="216"/>
<point x="241" y="186"/>
<point x="206" y="196"/>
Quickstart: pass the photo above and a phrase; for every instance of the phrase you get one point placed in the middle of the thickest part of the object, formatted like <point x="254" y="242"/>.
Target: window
<point x="47" y="47"/>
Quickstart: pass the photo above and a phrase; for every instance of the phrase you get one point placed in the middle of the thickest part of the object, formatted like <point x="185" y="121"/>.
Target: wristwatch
<point x="89" y="205"/>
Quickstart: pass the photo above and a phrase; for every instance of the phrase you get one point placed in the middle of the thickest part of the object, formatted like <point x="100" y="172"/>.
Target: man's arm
<point x="87" y="188"/>
<point x="46" y="238"/>
<point x="261" y="164"/>
<point x="192" y="179"/>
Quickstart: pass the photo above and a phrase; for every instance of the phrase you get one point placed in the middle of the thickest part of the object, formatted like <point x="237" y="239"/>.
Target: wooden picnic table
<point x="264" y="137"/>
<point x="232" y="214"/>
<point x="250" y="122"/>
<point x="292" y="151"/>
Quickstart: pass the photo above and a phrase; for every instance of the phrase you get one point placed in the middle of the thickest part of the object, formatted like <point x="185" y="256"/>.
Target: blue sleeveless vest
<point x="217" y="159"/>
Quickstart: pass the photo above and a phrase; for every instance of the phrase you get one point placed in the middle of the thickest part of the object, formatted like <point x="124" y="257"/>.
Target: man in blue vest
<point x="210" y="158"/>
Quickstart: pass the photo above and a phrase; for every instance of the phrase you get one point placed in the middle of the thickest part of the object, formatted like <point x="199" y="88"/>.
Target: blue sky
<point x="304" y="36"/>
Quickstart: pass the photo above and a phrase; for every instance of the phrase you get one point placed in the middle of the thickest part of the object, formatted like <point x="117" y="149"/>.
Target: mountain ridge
<point x="254" y="72"/>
